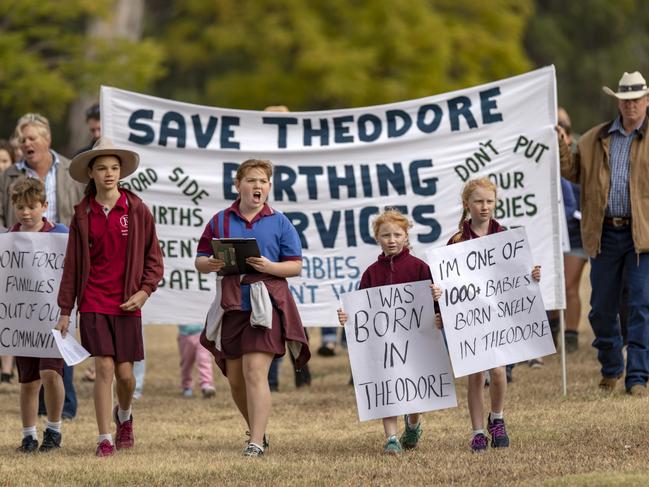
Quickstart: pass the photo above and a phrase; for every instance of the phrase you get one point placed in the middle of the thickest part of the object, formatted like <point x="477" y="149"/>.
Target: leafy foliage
<point x="48" y="59"/>
<point x="591" y="43"/>
<point x="334" y="53"/>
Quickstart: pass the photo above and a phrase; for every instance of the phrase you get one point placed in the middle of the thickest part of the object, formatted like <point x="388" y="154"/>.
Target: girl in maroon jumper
<point x="395" y="265"/>
<point x="110" y="224"/>
<point x="479" y="202"/>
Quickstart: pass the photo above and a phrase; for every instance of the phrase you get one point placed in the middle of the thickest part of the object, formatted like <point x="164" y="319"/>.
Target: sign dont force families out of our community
<point x="491" y="307"/>
<point x="31" y="265"/>
<point x="334" y="171"/>
<point x="399" y="362"/>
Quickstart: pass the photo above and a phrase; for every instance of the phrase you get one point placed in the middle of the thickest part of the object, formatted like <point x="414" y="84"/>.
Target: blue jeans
<point x="617" y="257"/>
<point x="273" y="372"/>
<point x="329" y="334"/>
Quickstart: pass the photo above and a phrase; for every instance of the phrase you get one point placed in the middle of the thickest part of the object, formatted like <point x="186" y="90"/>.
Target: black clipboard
<point x="235" y="251"/>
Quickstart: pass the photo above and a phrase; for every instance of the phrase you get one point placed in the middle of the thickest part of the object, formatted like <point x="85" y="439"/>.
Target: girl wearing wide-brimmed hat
<point x="108" y="287"/>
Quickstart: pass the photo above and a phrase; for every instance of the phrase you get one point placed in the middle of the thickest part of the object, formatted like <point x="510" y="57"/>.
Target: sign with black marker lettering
<point x="31" y="265"/>
<point x="491" y="307"/>
<point x="334" y="171"/>
<point x="399" y="362"/>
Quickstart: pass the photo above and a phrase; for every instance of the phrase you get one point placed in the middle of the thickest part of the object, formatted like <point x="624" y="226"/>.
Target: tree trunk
<point x="124" y="22"/>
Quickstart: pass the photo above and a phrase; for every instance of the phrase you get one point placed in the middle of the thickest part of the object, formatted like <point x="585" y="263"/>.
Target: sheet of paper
<point x="71" y="350"/>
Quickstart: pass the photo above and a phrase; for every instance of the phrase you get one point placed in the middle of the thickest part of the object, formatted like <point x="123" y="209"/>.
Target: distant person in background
<point x="575" y="259"/>
<point x="611" y="165"/>
<point x="192" y="352"/>
<point x="41" y="162"/>
<point x="302" y="376"/>
<point x="6" y="155"/>
<point x="93" y="121"/>
<point x="6" y="160"/>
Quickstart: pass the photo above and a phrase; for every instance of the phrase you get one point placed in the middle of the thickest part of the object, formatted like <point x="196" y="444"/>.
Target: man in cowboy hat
<point x="612" y="166"/>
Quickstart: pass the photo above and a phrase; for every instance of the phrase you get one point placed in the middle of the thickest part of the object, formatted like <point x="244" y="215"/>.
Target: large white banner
<point x="399" y="362"/>
<point x="491" y="307"/>
<point x="335" y="170"/>
<point x="31" y="265"/>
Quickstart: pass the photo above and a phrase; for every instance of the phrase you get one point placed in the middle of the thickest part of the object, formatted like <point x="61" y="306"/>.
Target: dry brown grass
<point x="316" y="439"/>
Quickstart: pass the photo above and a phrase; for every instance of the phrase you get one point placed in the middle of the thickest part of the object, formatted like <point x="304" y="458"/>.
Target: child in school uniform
<point x="192" y="352"/>
<point x="254" y="317"/>
<point x="29" y="199"/>
<point x="479" y="198"/>
<point x="112" y="265"/>
<point x="395" y="265"/>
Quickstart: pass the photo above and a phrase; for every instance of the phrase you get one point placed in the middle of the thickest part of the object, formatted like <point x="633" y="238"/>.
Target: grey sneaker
<point x="392" y="446"/>
<point x="253" y="451"/>
<point x="410" y="436"/>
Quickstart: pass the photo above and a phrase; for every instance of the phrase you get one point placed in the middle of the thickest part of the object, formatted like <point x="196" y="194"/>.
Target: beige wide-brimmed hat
<point x="103" y="147"/>
<point x="630" y="87"/>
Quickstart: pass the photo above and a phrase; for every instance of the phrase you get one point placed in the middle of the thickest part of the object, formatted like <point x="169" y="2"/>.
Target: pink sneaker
<point x="105" y="449"/>
<point x="124" y="435"/>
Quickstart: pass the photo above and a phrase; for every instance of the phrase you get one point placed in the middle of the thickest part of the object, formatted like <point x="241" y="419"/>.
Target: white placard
<point x="399" y="362"/>
<point x="71" y="350"/>
<point x="335" y="171"/>
<point x="31" y="265"/>
<point x="492" y="309"/>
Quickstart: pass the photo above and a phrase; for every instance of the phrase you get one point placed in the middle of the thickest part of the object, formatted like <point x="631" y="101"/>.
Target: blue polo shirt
<point x="276" y="236"/>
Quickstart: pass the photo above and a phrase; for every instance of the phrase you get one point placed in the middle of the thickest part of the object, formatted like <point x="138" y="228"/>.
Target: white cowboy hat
<point x="630" y="87"/>
<point x="103" y="147"/>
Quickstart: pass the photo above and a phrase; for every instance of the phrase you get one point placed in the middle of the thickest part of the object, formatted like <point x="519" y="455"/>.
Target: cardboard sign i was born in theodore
<point x="399" y="362"/>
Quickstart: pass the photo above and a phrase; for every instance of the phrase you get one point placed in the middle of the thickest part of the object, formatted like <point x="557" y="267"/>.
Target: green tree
<point x="47" y="59"/>
<point x="591" y="43"/>
<point x="334" y="53"/>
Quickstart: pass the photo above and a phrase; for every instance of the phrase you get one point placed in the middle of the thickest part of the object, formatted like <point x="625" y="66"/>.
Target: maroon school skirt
<point x="238" y="337"/>
<point x="114" y="336"/>
<point x="29" y="367"/>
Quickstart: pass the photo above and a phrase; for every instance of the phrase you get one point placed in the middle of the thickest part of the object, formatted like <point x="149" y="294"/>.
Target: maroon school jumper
<point x="29" y="367"/>
<point x="103" y="332"/>
<point x="395" y="269"/>
<point x="144" y="266"/>
<point x="283" y="304"/>
<point x="467" y="234"/>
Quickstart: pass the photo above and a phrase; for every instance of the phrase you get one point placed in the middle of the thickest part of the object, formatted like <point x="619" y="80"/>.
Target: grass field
<point x="585" y="439"/>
